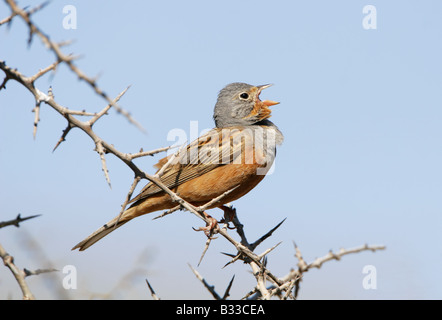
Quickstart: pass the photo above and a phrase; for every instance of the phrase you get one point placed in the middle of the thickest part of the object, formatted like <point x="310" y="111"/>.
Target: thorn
<point x="26" y="218"/>
<point x="165" y="213"/>
<point x="264" y="254"/>
<point x="152" y="292"/>
<point x="268" y="234"/>
<point x="229" y="254"/>
<point x="206" y="247"/>
<point x="234" y="258"/>
<point x="227" y="292"/>
<point x="17" y="220"/>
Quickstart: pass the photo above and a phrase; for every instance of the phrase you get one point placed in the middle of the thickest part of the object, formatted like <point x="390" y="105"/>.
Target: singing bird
<point x="236" y="154"/>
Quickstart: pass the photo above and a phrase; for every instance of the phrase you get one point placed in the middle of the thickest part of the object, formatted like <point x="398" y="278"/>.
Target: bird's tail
<point x="112" y="225"/>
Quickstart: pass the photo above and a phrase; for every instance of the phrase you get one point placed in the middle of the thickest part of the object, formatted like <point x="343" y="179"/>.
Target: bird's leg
<point x="229" y="215"/>
<point x="211" y="227"/>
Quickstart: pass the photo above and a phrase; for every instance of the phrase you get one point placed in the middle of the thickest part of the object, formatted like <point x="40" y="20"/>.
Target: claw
<point x="211" y="228"/>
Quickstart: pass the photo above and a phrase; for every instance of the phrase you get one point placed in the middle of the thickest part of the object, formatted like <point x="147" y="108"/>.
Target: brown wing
<point x="215" y="148"/>
<point x="199" y="157"/>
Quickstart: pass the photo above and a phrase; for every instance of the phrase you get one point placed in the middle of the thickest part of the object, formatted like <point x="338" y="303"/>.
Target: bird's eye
<point x="244" y="95"/>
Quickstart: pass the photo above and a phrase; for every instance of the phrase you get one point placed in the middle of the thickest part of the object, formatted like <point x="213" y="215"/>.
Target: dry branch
<point x="303" y="266"/>
<point x="19" y="275"/>
<point x="55" y="48"/>
<point x="8" y="260"/>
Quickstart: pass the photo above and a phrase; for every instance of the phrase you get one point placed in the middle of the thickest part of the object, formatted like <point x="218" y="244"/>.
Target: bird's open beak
<point x="268" y="103"/>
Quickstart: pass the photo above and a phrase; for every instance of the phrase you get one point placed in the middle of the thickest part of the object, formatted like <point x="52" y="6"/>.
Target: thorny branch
<point x="280" y="287"/>
<point x="18" y="274"/>
<point x="303" y="266"/>
<point x="8" y="261"/>
<point x="60" y="56"/>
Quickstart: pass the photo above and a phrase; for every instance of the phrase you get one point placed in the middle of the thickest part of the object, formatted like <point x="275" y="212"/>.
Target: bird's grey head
<point x="238" y="104"/>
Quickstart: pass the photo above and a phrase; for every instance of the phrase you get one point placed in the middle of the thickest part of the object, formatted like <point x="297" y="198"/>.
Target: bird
<point x="233" y="156"/>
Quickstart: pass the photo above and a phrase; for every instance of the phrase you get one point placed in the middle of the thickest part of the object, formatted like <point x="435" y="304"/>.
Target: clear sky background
<point x="360" y="109"/>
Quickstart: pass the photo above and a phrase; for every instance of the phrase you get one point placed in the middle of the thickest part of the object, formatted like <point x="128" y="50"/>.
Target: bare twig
<point x="63" y="136"/>
<point x="100" y="150"/>
<point x="97" y="116"/>
<point x="303" y="266"/>
<point x="29" y="12"/>
<point x="317" y="263"/>
<point x="18" y="274"/>
<point x="41" y="72"/>
<point x="128" y="197"/>
<point x="169" y="162"/>
<point x="148" y="153"/>
<point x="165" y="213"/>
<point x="37" y="271"/>
<point x="266" y="252"/>
<point x="215" y="200"/>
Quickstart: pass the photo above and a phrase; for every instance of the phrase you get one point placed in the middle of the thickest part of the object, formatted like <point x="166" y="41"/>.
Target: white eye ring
<point x="244" y="96"/>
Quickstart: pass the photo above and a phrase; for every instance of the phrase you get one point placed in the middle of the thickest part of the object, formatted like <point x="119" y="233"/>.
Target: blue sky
<point x="361" y="161"/>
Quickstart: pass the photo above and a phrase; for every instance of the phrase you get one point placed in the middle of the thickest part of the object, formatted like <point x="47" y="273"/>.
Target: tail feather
<point x="100" y="233"/>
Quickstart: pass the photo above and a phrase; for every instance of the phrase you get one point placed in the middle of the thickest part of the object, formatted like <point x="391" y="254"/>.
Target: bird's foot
<point x="211" y="227"/>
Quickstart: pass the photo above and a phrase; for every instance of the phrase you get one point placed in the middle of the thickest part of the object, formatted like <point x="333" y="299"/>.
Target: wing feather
<point x="216" y="148"/>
